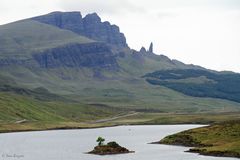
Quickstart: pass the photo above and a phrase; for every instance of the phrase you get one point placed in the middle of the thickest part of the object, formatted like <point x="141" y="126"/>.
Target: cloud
<point x="11" y="10"/>
<point x="100" y="6"/>
<point x="166" y="14"/>
<point x="204" y="32"/>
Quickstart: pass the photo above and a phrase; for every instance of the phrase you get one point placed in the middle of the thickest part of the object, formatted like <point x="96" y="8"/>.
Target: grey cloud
<point x="166" y="14"/>
<point x="164" y="4"/>
<point x="101" y="6"/>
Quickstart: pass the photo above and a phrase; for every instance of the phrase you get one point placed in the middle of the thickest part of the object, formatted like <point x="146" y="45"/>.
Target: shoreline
<point x="55" y="129"/>
<point x="215" y="153"/>
<point x="218" y="140"/>
<point x="194" y="150"/>
<point x="85" y="127"/>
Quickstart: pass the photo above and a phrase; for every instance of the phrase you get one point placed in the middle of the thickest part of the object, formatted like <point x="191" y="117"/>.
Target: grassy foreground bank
<point x="221" y="139"/>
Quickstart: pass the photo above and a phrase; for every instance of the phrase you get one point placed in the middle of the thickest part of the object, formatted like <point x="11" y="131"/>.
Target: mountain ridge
<point x="53" y="56"/>
<point x="90" y="26"/>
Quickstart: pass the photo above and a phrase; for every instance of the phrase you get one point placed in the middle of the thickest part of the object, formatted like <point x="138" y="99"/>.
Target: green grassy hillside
<point x="40" y="105"/>
<point x="139" y="64"/>
<point x="218" y="140"/>
<point x="199" y="83"/>
<point x="75" y="94"/>
<point x="23" y="113"/>
<point x="118" y="90"/>
<point x="14" y="107"/>
<point x="21" y="38"/>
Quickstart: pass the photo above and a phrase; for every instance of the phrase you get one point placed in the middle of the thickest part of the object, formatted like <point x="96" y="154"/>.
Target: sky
<point x="201" y="32"/>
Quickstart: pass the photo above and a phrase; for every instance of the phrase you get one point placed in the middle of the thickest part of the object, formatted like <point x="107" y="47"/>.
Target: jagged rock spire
<point x="143" y="50"/>
<point x="150" y="48"/>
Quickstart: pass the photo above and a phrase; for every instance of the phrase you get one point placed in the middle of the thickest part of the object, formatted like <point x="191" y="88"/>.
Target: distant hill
<point x="87" y="61"/>
<point x="199" y="83"/>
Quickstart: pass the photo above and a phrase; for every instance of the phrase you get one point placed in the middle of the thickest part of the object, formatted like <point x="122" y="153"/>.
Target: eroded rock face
<point x="90" y="26"/>
<point x="150" y="50"/>
<point x="105" y="32"/>
<point x="68" y="20"/>
<point x="143" y="50"/>
<point x="95" y="55"/>
<point x="17" y="62"/>
<point x="92" y="55"/>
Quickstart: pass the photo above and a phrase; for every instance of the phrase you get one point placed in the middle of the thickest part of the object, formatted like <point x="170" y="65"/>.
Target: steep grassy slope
<point x="21" y="38"/>
<point x="40" y="105"/>
<point x="115" y="89"/>
<point x="217" y="140"/>
<point x="15" y="107"/>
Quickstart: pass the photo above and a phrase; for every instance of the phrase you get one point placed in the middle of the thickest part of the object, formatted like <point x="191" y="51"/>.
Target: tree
<point x="100" y="141"/>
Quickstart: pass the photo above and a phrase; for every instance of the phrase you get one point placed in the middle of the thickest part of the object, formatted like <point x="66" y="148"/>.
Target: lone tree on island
<point x="100" y="141"/>
<point x="109" y="148"/>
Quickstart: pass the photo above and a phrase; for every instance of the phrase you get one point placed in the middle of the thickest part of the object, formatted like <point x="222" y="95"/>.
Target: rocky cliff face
<point x="94" y="55"/>
<point x="90" y="26"/>
<point x="69" y="20"/>
<point x="103" y="31"/>
<point x="150" y="50"/>
<point x="17" y="62"/>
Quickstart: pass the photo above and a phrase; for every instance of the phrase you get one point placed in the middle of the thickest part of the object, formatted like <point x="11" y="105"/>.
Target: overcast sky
<point x="202" y="32"/>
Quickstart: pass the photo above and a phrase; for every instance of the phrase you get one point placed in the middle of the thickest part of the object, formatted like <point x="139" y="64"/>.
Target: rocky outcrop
<point x="105" y="32"/>
<point x="67" y="20"/>
<point x="17" y="62"/>
<point x="139" y="56"/>
<point x="90" y="26"/>
<point x="150" y="50"/>
<point x="93" y="55"/>
<point x="143" y="50"/>
<point x="110" y="148"/>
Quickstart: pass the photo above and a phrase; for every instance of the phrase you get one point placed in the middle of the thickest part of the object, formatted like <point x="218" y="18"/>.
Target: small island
<point x="109" y="148"/>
